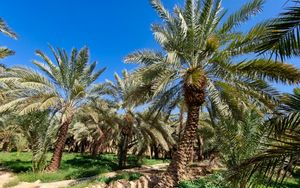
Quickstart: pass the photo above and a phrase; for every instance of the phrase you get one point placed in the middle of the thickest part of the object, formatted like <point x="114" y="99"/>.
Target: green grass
<point x="130" y="176"/>
<point x="73" y="166"/>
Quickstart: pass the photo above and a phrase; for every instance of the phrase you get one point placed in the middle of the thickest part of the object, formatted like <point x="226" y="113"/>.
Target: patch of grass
<point x="147" y="161"/>
<point x="130" y="176"/>
<point x="134" y="161"/>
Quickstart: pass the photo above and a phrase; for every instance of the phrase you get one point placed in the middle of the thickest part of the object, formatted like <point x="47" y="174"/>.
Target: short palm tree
<point x="197" y="64"/>
<point x="64" y="88"/>
<point x="280" y="151"/>
<point x="7" y="31"/>
<point x="153" y="131"/>
<point x="97" y="122"/>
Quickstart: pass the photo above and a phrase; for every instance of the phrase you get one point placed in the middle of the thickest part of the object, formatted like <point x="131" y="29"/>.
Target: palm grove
<point x="199" y="101"/>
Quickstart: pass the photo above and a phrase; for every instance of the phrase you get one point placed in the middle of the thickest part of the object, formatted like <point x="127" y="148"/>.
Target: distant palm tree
<point x="7" y="31"/>
<point x="65" y="87"/>
<point x="197" y="63"/>
<point x="137" y="130"/>
<point x="97" y="123"/>
<point x="120" y="91"/>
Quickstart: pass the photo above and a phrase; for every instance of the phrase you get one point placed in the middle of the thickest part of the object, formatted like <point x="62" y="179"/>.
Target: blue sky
<point x="111" y="29"/>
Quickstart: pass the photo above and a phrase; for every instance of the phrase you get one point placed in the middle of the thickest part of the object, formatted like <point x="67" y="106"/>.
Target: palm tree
<point x="38" y="128"/>
<point x="97" y="122"/>
<point x="197" y="64"/>
<point x="153" y="131"/>
<point x="120" y="91"/>
<point x="7" y="31"/>
<point x="9" y="131"/>
<point x="65" y="87"/>
<point x="280" y="151"/>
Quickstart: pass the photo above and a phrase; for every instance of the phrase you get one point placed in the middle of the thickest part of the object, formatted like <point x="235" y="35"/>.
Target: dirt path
<point x="5" y="177"/>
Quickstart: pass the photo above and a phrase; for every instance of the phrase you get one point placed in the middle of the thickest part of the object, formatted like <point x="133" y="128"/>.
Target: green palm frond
<point x="253" y="7"/>
<point x="68" y="81"/>
<point x="279" y="153"/>
<point x="268" y="69"/>
<point x="282" y="36"/>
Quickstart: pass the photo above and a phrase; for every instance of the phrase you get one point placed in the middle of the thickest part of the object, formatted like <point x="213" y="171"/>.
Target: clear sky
<point x="111" y="28"/>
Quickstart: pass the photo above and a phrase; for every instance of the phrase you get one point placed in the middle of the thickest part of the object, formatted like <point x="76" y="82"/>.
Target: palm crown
<point x="196" y="44"/>
<point x="65" y="85"/>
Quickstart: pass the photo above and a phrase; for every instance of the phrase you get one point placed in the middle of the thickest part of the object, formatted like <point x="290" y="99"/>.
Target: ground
<point x="74" y="167"/>
<point x="81" y="171"/>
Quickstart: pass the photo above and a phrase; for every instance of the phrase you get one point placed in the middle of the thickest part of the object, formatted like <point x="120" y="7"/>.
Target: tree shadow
<point x="89" y="166"/>
<point x="17" y="166"/>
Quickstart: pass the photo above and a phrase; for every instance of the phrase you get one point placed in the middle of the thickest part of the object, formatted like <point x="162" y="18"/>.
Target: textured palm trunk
<point x="59" y="147"/>
<point x="97" y="145"/>
<point x="5" y="146"/>
<point x="194" y="98"/>
<point x="125" y="139"/>
<point x="123" y="149"/>
<point x="200" y="148"/>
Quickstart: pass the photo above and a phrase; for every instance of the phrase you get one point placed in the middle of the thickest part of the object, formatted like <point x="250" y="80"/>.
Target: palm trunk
<point x="125" y="139"/>
<point x="123" y="149"/>
<point x="200" y="148"/>
<point x="5" y="146"/>
<point x="194" y="98"/>
<point x="59" y="147"/>
<point x="97" y="145"/>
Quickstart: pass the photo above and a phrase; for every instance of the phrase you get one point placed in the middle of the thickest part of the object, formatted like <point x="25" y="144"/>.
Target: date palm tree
<point x="120" y="91"/>
<point x="197" y="63"/>
<point x="280" y="151"/>
<point x="64" y="87"/>
<point x="7" y="31"/>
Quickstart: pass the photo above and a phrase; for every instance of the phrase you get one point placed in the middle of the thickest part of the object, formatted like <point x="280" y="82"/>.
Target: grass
<point x="73" y="166"/>
<point x="130" y="176"/>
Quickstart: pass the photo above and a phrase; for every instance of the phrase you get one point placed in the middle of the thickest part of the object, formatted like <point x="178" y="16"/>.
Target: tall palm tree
<point x="7" y="31"/>
<point x="65" y="86"/>
<point x="196" y="63"/>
